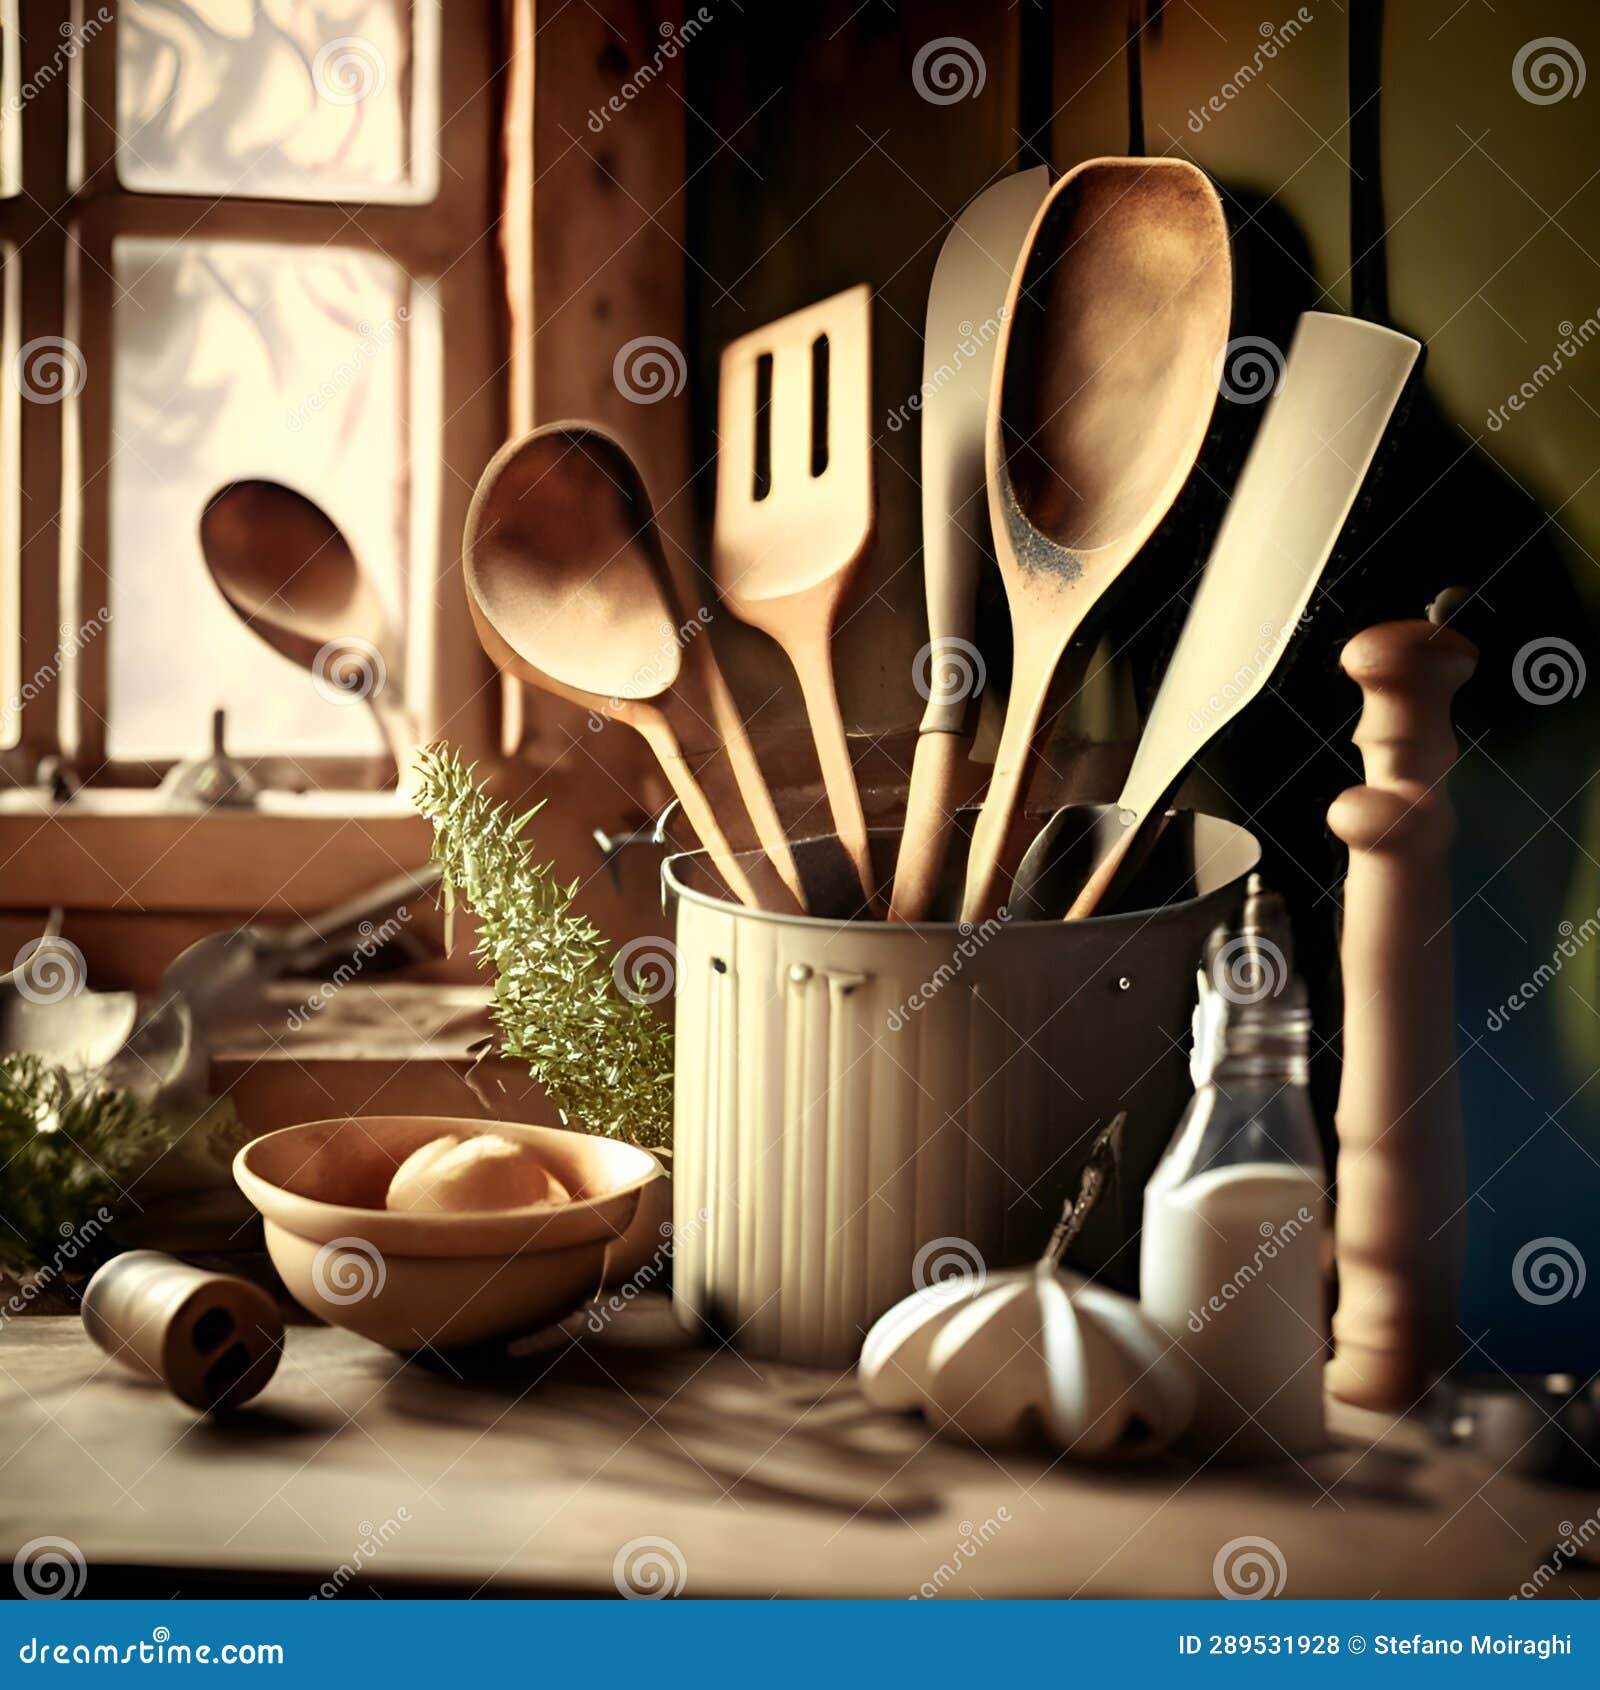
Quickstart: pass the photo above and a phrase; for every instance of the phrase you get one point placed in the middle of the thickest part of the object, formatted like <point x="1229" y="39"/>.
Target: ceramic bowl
<point x="415" y="1281"/>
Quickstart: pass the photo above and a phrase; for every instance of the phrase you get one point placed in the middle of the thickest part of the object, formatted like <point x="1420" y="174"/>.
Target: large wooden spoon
<point x="285" y="566"/>
<point x="570" y="592"/>
<point x="1104" y="386"/>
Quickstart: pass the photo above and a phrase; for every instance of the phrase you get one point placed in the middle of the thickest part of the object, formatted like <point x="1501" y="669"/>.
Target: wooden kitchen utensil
<point x="794" y="509"/>
<point x="1340" y="385"/>
<point x="285" y="566"/>
<point x="966" y="308"/>
<point x="1400" y="1173"/>
<point x="570" y="592"/>
<point x="1104" y="386"/>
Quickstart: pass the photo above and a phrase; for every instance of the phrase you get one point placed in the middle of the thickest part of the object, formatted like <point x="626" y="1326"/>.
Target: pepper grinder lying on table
<point x="1401" y="1183"/>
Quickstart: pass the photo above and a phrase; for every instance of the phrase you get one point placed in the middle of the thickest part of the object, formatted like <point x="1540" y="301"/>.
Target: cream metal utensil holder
<point x="864" y="1106"/>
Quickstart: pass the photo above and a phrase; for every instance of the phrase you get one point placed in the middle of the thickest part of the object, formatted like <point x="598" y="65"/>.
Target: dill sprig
<point x="72" y="1145"/>
<point x="605" y="1059"/>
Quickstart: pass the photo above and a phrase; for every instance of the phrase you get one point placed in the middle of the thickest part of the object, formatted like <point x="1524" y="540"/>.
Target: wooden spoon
<point x="1341" y="384"/>
<point x="285" y="566"/>
<point x="1104" y="387"/>
<point x="966" y="305"/>
<point x="570" y="592"/>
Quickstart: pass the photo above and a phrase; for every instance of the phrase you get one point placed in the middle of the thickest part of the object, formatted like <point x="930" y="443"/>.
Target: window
<point x="243" y="239"/>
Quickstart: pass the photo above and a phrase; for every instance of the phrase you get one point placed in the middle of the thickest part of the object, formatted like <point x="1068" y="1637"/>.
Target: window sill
<point x="132" y="851"/>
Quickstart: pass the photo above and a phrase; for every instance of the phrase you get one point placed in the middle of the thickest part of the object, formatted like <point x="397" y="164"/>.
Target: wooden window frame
<point x="60" y="229"/>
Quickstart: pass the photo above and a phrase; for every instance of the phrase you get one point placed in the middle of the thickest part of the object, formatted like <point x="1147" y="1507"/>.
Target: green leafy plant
<point x="70" y="1147"/>
<point x="603" y="1056"/>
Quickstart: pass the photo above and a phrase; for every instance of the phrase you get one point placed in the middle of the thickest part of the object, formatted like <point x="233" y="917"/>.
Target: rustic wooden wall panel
<point x="818" y="164"/>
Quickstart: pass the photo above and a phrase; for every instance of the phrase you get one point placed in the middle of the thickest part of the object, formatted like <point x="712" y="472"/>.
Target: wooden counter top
<point x="530" y="1472"/>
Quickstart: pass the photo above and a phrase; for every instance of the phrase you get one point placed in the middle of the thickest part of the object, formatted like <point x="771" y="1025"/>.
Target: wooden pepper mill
<point x="1398" y="1230"/>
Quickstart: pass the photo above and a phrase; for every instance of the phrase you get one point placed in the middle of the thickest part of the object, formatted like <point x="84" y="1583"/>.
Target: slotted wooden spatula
<point x="794" y="509"/>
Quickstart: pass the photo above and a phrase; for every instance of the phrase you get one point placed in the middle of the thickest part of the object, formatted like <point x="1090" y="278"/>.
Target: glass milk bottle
<point x="1236" y="1214"/>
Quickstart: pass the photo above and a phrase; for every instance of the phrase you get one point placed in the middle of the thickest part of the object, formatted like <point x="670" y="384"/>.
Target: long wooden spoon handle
<point x="1108" y="871"/>
<point x="752" y="783"/>
<point x="930" y="820"/>
<point x="1013" y="762"/>
<point x="399" y="730"/>
<point x="716" y="774"/>
<point x="813" y="663"/>
<point x="697" y="809"/>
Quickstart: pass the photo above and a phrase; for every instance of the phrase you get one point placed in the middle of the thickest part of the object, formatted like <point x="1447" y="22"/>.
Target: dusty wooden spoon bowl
<point x="562" y="560"/>
<point x="571" y="593"/>
<point x="286" y="567"/>
<point x="1105" y="381"/>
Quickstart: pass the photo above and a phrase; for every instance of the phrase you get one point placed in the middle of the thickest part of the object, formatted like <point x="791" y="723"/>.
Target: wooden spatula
<point x="794" y="509"/>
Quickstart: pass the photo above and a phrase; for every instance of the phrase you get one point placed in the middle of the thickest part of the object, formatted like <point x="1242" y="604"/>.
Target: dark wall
<point x="815" y="162"/>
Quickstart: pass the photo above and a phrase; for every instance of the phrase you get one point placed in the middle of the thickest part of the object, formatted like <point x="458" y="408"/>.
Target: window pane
<point x="233" y="361"/>
<point x="278" y="98"/>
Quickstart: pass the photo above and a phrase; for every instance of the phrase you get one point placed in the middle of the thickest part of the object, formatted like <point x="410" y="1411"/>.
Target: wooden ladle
<point x="1105" y="379"/>
<point x="285" y="566"/>
<point x="570" y="592"/>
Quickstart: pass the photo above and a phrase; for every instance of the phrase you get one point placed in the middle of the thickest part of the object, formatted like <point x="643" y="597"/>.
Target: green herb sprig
<point x="603" y="1057"/>
<point x="72" y="1146"/>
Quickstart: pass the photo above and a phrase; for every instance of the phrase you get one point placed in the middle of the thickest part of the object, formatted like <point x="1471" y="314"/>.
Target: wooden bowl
<point x="415" y="1281"/>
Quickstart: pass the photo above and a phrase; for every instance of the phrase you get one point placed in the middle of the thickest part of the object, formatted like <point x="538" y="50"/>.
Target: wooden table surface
<point x="537" y="1471"/>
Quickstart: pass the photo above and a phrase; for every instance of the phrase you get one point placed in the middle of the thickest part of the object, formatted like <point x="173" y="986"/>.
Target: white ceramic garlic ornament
<point x="1008" y="1359"/>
